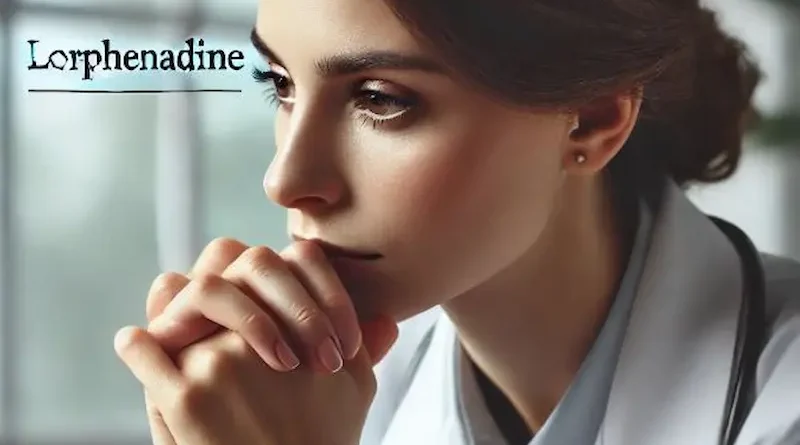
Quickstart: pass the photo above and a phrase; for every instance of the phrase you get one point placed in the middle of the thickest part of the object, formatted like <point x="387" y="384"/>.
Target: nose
<point x="304" y="174"/>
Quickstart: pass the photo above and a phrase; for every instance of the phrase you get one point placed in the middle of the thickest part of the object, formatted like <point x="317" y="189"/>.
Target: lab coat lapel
<point x="672" y="376"/>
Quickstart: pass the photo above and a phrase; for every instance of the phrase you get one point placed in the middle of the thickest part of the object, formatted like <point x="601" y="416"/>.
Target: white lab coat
<point x="673" y="372"/>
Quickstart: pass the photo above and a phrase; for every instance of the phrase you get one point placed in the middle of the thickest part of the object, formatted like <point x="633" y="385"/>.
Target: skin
<point x="471" y="204"/>
<point x="474" y="204"/>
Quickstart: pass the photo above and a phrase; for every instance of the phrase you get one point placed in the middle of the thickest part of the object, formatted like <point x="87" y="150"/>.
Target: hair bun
<point x="714" y="118"/>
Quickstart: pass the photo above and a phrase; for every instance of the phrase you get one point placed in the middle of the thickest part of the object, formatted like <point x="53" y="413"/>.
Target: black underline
<point x="43" y="90"/>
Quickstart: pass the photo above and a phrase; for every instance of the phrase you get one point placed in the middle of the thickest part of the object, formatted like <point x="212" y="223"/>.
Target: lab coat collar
<point x="672" y="375"/>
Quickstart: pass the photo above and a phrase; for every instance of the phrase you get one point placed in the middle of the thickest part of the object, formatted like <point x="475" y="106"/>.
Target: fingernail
<point x="286" y="355"/>
<point x="329" y="355"/>
<point x="351" y="341"/>
<point x="338" y="343"/>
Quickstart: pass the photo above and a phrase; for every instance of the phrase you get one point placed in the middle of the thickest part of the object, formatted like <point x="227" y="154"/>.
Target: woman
<point x="517" y="164"/>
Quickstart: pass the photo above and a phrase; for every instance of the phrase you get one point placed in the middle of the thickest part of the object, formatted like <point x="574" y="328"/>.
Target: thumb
<point x="379" y="336"/>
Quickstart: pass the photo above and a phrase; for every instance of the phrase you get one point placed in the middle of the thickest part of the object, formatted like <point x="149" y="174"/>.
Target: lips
<point x="335" y="251"/>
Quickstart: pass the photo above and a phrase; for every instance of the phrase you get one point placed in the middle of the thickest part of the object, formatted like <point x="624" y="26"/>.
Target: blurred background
<point x="99" y="193"/>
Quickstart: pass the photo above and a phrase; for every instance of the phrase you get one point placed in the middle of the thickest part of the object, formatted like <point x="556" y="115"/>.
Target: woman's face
<point x="380" y="151"/>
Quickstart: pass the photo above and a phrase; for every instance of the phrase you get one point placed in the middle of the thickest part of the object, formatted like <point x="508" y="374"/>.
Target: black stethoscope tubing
<point x="750" y="333"/>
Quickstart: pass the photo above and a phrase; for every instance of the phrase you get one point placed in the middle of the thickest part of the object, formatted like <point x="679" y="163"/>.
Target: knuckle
<point x="309" y="317"/>
<point x="209" y="284"/>
<point x="170" y="282"/>
<point x="260" y="256"/>
<point x="224" y="247"/>
<point x="253" y="323"/>
<point x="305" y="251"/>
<point x="192" y="401"/>
<point x="220" y="365"/>
<point x="263" y="261"/>
<point x="238" y="346"/>
<point x="208" y="364"/>
<point x="336" y="303"/>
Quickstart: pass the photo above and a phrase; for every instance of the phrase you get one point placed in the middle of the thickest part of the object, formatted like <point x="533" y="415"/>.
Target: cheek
<point x="498" y="197"/>
<point x="461" y="208"/>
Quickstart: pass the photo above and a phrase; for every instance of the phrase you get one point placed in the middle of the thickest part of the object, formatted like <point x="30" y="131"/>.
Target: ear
<point x="600" y="129"/>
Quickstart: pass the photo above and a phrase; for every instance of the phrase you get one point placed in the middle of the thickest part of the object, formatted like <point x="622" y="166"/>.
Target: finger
<point x="173" y="338"/>
<point x="264" y="274"/>
<point x="380" y="335"/>
<point x="311" y="267"/>
<point x="212" y="300"/>
<point x="148" y="363"/>
<point x="217" y="256"/>
<point x="164" y="288"/>
<point x="158" y="427"/>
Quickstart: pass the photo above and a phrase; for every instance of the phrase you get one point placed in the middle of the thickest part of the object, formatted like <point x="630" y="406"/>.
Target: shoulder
<point x="782" y="276"/>
<point x="776" y="409"/>
<point x="783" y="284"/>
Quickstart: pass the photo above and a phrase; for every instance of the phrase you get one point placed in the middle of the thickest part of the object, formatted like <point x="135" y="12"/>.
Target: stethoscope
<point x="749" y="333"/>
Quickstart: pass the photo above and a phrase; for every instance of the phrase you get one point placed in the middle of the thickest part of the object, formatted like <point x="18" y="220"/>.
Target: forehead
<point x="302" y="29"/>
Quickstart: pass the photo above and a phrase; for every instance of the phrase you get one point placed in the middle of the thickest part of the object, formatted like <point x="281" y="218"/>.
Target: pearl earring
<point x="580" y="158"/>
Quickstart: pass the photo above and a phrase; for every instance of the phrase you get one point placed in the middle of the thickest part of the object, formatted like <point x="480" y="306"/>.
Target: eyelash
<point x="270" y="77"/>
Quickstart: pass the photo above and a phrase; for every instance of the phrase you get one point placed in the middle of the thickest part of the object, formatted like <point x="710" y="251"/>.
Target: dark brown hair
<point x="696" y="81"/>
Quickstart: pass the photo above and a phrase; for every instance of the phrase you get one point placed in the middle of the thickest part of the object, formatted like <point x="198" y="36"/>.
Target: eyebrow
<point x="345" y="64"/>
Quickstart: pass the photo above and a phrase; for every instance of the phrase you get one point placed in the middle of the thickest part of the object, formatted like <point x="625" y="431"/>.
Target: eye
<point x="381" y="106"/>
<point x="281" y="85"/>
<point x="381" y="102"/>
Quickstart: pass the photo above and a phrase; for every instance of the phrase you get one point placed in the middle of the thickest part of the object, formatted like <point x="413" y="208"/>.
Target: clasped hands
<point x="255" y="347"/>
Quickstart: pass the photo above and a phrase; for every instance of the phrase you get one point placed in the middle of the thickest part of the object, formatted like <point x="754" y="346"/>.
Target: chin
<point x="390" y="300"/>
<point x="398" y="289"/>
<point x="371" y="299"/>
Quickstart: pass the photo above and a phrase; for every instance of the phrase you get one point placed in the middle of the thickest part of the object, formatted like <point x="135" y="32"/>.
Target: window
<point x="5" y="285"/>
<point x="244" y="10"/>
<point x="84" y="220"/>
<point x="92" y="184"/>
<point x="238" y="144"/>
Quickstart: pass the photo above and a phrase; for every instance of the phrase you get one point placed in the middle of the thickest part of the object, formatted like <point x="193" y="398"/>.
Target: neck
<point x="530" y="327"/>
